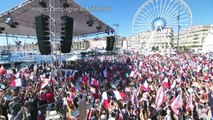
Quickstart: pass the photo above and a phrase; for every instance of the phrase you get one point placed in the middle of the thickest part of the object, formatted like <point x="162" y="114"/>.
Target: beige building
<point x="160" y="39"/>
<point x="80" y="45"/>
<point x="194" y="38"/>
<point x="99" y="43"/>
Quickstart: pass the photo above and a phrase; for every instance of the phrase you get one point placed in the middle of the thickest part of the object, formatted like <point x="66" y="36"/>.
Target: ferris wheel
<point x="156" y="15"/>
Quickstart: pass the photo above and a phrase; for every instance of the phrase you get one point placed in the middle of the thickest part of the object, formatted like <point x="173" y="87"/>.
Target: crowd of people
<point x="115" y="87"/>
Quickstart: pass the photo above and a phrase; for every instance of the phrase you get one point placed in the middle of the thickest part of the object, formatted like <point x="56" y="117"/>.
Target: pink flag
<point x="134" y="103"/>
<point x="105" y="101"/>
<point x="2" y="71"/>
<point x="177" y="103"/>
<point x="159" y="97"/>
<point x="189" y="102"/>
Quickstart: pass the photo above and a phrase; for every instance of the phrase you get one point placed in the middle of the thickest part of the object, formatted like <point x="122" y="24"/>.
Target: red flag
<point x="177" y="103"/>
<point x="85" y="79"/>
<point x="166" y="83"/>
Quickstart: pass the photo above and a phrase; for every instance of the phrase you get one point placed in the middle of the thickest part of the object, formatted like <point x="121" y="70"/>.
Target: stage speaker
<point x="110" y="43"/>
<point x="66" y="34"/>
<point x="42" y="33"/>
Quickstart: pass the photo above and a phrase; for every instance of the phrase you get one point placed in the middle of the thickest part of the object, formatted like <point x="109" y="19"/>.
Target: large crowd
<point x="115" y="87"/>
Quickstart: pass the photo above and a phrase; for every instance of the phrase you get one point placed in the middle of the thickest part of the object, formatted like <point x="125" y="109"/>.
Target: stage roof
<point x="26" y="12"/>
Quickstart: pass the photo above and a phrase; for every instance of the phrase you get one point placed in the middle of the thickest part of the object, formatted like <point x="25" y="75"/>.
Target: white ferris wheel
<point x="156" y="15"/>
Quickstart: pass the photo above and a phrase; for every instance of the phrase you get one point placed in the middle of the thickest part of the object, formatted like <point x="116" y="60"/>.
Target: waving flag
<point x="85" y="79"/>
<point x="2" y="71"/>
<point x="145" y="86"/>
<point x="189" y="104"/>
<point x="173" y="84"/>
<point x="165" y="83"/>
<point x="133" y="73"/>
<point x="159" y="97"/>
<point x="92" y="89"/>
<point x="16" y="83"/>
<point x="177" y="104"/>
<point x="134" y="102"/>
<point x="119" y="95"/>
<point x="94" y="82"/>
<point x="105" y="101"/>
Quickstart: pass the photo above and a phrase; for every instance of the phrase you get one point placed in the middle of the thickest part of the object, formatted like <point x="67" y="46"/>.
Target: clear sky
<point x="123" y="11"/>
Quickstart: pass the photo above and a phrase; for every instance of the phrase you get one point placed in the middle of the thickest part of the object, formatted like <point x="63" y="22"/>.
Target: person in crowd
<point x="116" y="87"/>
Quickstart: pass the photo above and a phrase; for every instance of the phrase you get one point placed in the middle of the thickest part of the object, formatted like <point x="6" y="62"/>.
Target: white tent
<point x="74" y="58"/>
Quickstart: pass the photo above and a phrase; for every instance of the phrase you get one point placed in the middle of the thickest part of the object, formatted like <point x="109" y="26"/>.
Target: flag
<point x="173" y="84"/>
<point x="196" y="84"/>
<point x="165" y="83"/>
<point x="94" y="82"/>
<point x="93" y="90"/>
<point x="16" y="83"/>
<point x="119" y="95"/>
<point x="105" y="101"/>
<point x="44" y="83"/>
<point x="177" y="104"/>
<point x="26" y="70"/>
<point x="189" y="103"/>
<point x="145" y="86"/>
<point x="159" y="98"/>
<point x="134" y="103"/>
<point x="2" y="70"/>
<point x="133" y="73"/>
<point x="85" y="79"/>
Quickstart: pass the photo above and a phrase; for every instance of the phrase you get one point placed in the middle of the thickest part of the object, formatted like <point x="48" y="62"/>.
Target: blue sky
<point x="123" y="11"/>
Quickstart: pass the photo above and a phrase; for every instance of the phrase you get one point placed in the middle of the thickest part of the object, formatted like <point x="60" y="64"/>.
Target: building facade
<point x="149" y="39"/>
<point x="193" y="38"/>
<point x="80" y="45"/>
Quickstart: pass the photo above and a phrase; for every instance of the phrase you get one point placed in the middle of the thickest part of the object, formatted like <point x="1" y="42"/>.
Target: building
<point x="193" y="38"/>
<point x="119" y="41"/>
<point x="133" y="43"/>
<point x="99" y="43"/>
<point x="208" y="41"/>
<point x="149" y="39"/>
<point x="80" y="45"/>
